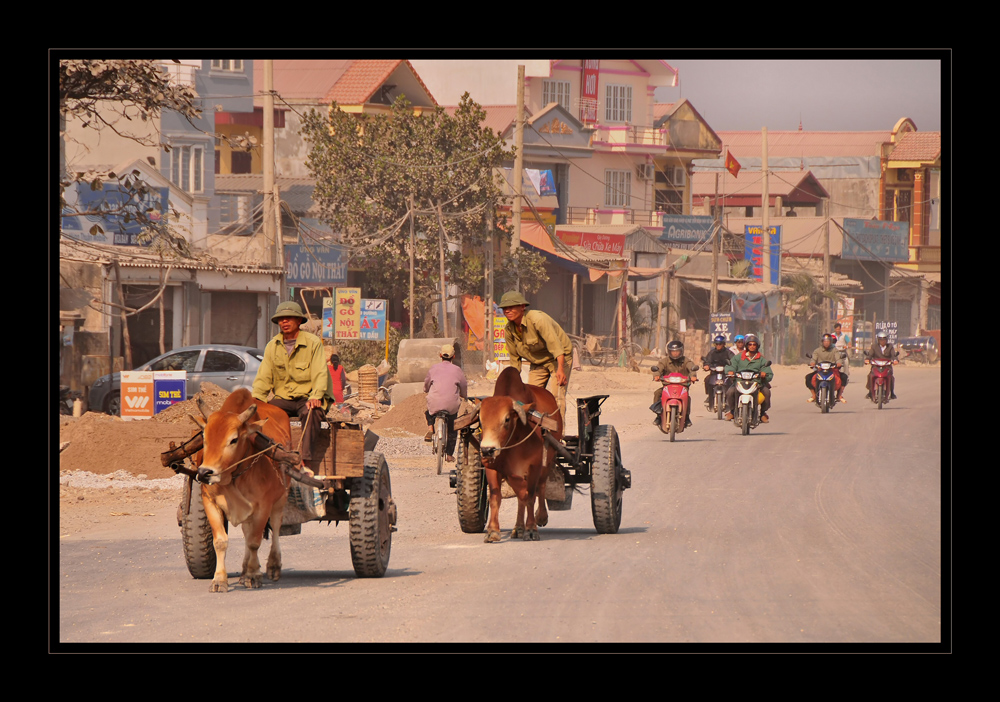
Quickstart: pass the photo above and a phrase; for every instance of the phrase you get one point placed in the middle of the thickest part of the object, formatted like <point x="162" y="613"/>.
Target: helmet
<point x="751" y="339"/>
<point x="829" y="337"/>
<point x="675" y="346"/>
<point x="882" y="334"/>
<point x="288" y="309"/>
<point x="739" y="337"/>
<point x="720" y="339"/>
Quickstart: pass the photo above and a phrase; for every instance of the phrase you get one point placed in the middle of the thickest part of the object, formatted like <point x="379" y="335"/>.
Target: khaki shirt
<point x="538" y="340"/>
<point x="303" y="374"/>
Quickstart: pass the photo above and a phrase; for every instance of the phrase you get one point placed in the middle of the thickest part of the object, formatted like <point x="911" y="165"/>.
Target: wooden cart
<point x="352" y="485"/>
<point x="593" y="458"/>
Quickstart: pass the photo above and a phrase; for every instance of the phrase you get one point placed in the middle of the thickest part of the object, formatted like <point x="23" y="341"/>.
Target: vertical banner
<point x="500" y="339"/>
<point x="136" y="394"/>
<point x="754" y="251"/>
<point x="373" y="320"/>
<point x="328" y="318"/>
<point x="347" y="313"/>
<point x="588" y="92"/>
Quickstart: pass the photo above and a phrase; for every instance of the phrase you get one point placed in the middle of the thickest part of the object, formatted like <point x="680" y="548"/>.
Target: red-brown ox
<point x="248" y="492"/>
<point x="513" y="448"/>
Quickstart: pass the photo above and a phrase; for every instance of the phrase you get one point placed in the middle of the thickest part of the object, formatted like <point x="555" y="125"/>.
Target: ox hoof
<point x="274" y="573"/>
<point x="252" y="581"/>
<point x="531" y="535"/>
<point x="219" y="586"/>
<point x="492" y="537"/>
<point x="517" y="532"/>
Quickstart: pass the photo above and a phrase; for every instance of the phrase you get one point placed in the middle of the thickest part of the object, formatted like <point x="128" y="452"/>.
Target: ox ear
<point x="258" y="425"/>
<point x="247" y="413"/>
<point x="198" y="420"/>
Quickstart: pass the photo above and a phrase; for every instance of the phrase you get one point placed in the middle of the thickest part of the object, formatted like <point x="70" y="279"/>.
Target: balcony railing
<point x="610" y="216"/>
<point x="925" y="254"/>
<point x="630" y="134"/>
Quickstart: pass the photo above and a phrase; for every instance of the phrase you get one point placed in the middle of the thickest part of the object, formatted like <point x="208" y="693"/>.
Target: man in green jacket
<point x="535" y="337"/>
<point x="294" y="369"/>
<point x="751" y="361"/>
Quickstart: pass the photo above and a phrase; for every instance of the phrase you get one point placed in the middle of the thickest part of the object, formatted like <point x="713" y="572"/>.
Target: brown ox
<point x="248" y="492"/>
<point x="513" y="448"/>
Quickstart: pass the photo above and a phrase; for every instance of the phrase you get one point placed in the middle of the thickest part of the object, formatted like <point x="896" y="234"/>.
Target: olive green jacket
<point x="303" y="374"/>
<point x="539" y="340"/>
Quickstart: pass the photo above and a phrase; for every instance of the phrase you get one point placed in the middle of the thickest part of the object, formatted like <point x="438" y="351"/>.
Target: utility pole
<point x="826" y="265"/>
<point x="765" y="213"/>
<point x="488" y="348"/>
<point x="716" y="235"/>
<point x="515" y="241"/>
<point x="272" y="217"/>
<point x="444" y="289"/>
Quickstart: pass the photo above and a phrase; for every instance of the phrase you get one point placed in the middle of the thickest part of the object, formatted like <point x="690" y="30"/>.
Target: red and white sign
<point x="588" y="92"/>
<point x="593" y="241"/>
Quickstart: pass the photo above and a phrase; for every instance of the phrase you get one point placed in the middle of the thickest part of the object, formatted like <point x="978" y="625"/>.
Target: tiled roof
<point x="360" y="81"/>
<point x="784" y="144"/>
<point x="917" y="146"/>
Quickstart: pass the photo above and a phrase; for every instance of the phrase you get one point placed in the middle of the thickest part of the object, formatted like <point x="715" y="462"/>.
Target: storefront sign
<point x="500" y="339"/>
<point x="315" y="265"/>
<point x="373" y="320"/>
<point x="685" y="231"/>
<point x="593" y="241"/>
<point x="347" y="313"/>
<point x="136" y="395"/>
<point x="721" y="323"/>
<point x="169" y="387"/>
<point x="875" y="240"/>
<point x="115" y="210"/>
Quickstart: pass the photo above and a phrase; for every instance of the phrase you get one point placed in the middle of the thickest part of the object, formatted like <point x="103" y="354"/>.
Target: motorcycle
<point x="674" y="403"/>
<point x="749" y="396"/>
<point x="880" y="379"/>
<point x="825" y="384"/>
<point x="717" y="398"/>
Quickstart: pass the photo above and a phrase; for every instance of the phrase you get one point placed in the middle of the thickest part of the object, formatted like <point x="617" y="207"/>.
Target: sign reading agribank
<point x="315" y="265"/>
<point x="874" y="240"/>
<point x="684" y="231"/>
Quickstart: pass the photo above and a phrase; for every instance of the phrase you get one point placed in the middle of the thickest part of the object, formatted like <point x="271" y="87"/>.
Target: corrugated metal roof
<point x="789" y="185"/>
<point x="783" y="144"/>
<point x="917" y="146"/>
<point x="136" y="257"/>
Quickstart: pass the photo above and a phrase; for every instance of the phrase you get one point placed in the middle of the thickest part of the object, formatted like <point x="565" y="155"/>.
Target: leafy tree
<point x="369" y="166"/>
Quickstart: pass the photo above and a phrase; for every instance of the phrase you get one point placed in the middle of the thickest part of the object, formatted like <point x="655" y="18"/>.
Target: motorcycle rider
<point x="751" y="360"/>
<point x="674" y="362"/>
<point x="738" y="347"/>
<point x="718" y="356"/>
<point x="826" y="352"/>
<point x="882" y="349"/>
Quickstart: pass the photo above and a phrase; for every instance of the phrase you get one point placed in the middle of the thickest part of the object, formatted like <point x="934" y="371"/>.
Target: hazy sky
<point x="828" y="95"/>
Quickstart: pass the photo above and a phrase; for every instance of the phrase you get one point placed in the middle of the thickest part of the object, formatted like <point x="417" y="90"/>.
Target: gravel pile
<point x="120" y="479"/>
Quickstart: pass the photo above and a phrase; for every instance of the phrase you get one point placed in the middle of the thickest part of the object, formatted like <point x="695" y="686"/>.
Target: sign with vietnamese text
<point x="889" y="328"/>
<point x="136" y="395"/>
<point x="347" y="313"/>
<point x="169" y="387"/>
<point x="373" y="320"/>
<point x="328" y="318"/>
<point x="588" y="91"/>
<point x="754" y="251"/>
<point x="875" y="240"/>
<point x="686" y="231"/>
<point x="720" y="323"/>
<point x="597" y="242"/>
<point x="500" y="339"/>
<point x="315" y="265"/>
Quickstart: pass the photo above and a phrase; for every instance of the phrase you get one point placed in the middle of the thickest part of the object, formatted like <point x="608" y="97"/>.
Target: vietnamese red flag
<point x="732" y="165"/>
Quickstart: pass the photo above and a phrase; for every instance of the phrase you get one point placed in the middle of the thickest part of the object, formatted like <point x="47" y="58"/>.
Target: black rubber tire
<point x="880" y="395"/>
<point x="440" y="441"/>
<point x="824" y="400"/>
<point x="673" y="422"/>
<point x="471" y="489"/>
<point x="606" y="486"/>
<point x="196" y="534"/>
<point x="719" y="404"/>
<point x="745" y="420"/>
<point x="371" y="531"/>
<point x="114" y="404"/>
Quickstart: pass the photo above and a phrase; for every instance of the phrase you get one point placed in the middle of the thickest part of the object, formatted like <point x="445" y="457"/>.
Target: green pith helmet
<point x="288" y="309"/>
<point x="511" y="298"/>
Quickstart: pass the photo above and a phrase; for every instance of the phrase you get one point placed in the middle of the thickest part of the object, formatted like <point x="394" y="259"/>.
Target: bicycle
<point x="439" y="438"/>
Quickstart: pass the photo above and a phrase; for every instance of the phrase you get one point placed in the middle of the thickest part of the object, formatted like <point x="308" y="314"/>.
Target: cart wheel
<point x="470" y="488"/>
<point x="196" y="533"/>
<point x="371" y="525"/>
<point x="606" y="485"/>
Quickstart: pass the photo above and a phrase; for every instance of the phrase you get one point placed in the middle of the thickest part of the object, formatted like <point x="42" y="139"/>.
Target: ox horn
<point x="521" y="414"/>
<point x="247" y="413"/>
<point x="203" y="407"/>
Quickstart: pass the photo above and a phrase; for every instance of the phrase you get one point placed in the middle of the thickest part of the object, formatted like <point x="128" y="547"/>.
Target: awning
<point x="572" y="258"/>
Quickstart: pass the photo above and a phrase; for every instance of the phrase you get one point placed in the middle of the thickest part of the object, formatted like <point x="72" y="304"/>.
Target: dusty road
<point x="815" y="529"/>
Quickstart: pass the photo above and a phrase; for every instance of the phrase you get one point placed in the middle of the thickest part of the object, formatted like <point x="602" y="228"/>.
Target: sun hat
<point x="447" y="351"/>
<point x="288" y="309"/>
<point x="511" y="298"/>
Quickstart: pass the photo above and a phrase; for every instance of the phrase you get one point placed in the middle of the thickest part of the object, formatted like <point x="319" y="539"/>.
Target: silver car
<point x="228" y="366"/>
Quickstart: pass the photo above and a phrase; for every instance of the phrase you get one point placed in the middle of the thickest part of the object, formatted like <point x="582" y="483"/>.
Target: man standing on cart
<point x="295" y="370"/>
<point x="538" y="339"/>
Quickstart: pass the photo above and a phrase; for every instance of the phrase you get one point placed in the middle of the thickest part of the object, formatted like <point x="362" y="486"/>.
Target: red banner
<point x="593" y="241"/>
<point x="588" y="92"/>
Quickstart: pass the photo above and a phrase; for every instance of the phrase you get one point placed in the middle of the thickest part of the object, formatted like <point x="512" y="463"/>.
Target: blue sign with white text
<point x="875" y="240"/>
<point x="315" y="265"/>
<point x="685" y="231"/>
<point x="114" y="210"/>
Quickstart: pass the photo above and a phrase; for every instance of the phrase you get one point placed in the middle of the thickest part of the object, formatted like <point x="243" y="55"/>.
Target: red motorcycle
<point x="674" y="401"/>
<point x="881" y="380"/>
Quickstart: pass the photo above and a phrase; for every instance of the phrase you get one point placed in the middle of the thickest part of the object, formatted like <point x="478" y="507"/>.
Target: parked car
<point x="228" y="366"/>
